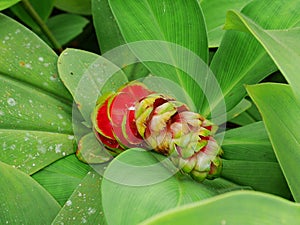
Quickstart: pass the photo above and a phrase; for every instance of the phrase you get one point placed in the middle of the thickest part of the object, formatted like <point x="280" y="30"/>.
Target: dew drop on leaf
<point x="11" y="102"/>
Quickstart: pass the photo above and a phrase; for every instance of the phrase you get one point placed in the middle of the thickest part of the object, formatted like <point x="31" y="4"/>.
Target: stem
<point x="42" y="25"/>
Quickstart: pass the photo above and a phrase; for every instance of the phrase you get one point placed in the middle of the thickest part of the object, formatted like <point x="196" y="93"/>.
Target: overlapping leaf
<point x="62" y="177"/>
<point x="23" y="200"/>
<point x="84" y="205"/>
<point x="282" y="45"/>
<point x="215" y="13"/>
<point x="143" y="187"/>
<point x="7" y="3"/>
<point x="281" y="114"/>
<point x="240" y="58"/>
<point x="233" y="208"/>
<point x="180" y="23"/>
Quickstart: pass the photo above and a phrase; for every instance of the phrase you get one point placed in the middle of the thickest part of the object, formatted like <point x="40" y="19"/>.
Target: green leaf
<point x="26" y="58"/>
<point x="65" y="27"/>
<point x="108" y="32"/>
<point x="170" y="22"/>
<point x="136" y="172"/>
<point x="109" y="38"/>
<point x="251" y="115"/>
<point x="43" y="10"/>
<point x="249" y="143"/>
<point x="241" y="207"/>
<point x="282" y="45"/>
<point x="240" y="58"/>
<point x="4" y="4"/>
<point x="215" y="14"/>
<point x="280" y="112"/>
<point x="62" y="177"/>
<point x="74" y="6"/>
<point x="261" y="176"/>
<point x="25" y="107"/>
<point x="238" y="109"/>
<point x="85" y="74"/>
<point x="31" y="151"/>
<point x="84" y="205"/>
<point x="23" y="200"/>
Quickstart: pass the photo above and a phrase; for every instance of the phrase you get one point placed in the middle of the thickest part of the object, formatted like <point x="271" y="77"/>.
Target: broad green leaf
<point x="109" y="37"/>
<point x="65" y="27"/>
<point x="85" y="205"/>
<point x="281" y="115"/>
<point x="261" y="176"/>
<point x="4" y="4"/>
<point x="249" y="143"/>
<point x="74" y="6"/>
<point x="108" y="32"/>
<point x="85" y="74"/>
<point x="26" y="58"/>
<point x="170" y="22"/>
<point x="235" y="208"/>
<point x="142" y="186"/>
<point x="43" y="10"/>
<point x="282" y="45"/>
<point x="62" y="177"/>
<point x="215" y="14"/>
<point x="24" y="201"/>
<point x="31" y="151"/>
<point x="25" y="107"/>
<point x="241" y="59"/>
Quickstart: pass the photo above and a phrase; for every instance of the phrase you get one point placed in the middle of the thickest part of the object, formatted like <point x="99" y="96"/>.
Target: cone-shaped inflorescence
<point x="135" y="116"/>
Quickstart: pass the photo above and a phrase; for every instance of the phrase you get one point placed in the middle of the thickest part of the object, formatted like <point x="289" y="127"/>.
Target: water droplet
<point x="68" y="203"/>
<point x="11" y="102"/>
<point x="91" y="211"/>
<point x="60" y="116"/>
<point x="70" y="137"/>
<point x="2" y="114"/>
<point x="58" y="148"/>
<point x="41" y="59"/>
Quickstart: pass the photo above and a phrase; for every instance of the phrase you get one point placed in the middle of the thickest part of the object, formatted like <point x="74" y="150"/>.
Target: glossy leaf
<point x="108" y="32"/>
<point x="84" y="205"/>
<point x="74" y="6"/>
<point x="282" y="45"/>
<point x="85" y="74"/>
<point x="242" y="207"/>
<point x="65" y="27"/>
<point x="43" y="10"/>
<point x="240" y="58"/>
<point x="249" y="143"/>
<point x="238" y="109"/>
<point x="260" y="175"/>
<point x="136" y="172"/>
<point x="215" y="14"/>
<point x="251" y="115"/>
<point x="167" y="21"/>
<point x="62" y="177"/>
<point x="109" y="38"/>
<point x="31" y="151"/>
<point x="4" y="4"/>
<point x="26" y="58"/>
<point x="25" y="107"/>
<point x="281" y="115"/>
<point x="23" y="200"/>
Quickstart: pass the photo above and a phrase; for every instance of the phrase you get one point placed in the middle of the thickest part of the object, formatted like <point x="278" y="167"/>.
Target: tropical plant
<point x="232" y="63"/>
